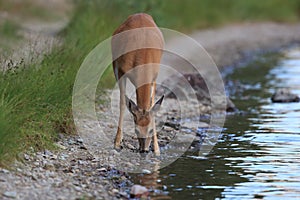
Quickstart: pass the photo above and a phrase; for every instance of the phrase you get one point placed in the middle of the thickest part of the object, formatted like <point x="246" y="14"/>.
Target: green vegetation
<point x="35" y="100"/>
<point x="191" y="14"/>
<point x="9" y="29"/>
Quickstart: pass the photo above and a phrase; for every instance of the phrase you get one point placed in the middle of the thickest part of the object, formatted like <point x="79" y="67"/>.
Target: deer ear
<point x="157" y="105"/>
<point x="132" y="107"/>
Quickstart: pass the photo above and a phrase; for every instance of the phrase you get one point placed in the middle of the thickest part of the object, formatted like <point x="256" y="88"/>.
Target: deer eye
<point x="136" y="131"/>
<point x="134" y="118"/>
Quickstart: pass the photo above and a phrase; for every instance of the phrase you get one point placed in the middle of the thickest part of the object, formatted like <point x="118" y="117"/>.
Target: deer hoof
<point x="118" y="147"/>
<point x="157" y="153"/>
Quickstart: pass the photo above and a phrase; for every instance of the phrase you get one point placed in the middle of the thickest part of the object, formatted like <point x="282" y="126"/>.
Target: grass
<point x="205" y="13"/>
<point x="9" y="29"/>
<point x="35" y="100"/>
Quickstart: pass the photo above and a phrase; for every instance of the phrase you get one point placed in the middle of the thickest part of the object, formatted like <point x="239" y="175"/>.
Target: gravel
<point x="67" y="173"/>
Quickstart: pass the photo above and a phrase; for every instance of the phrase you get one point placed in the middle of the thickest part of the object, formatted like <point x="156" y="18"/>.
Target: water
<point x="258" y="155"/>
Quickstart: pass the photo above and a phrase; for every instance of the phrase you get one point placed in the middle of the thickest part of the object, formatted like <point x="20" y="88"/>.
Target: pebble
<point x="102" y="169"/>
<point x="79" y="140"/>
<point x="77" y="188"/>
<point x="130" y="146"/>
<point x="5" y="171"/>
<point x="19" y="170"/>
<point x="61" y="146"/>
<point x="49" y="166"/>
<point x="81" y="162"/>
<point x="10" y="194"/>
<point x="146" y="171"/>
<point x="26" y="156"/>
<point x="129" y="164"/>
<point x="115" y="191"/>
<point x="47" y="152"/>
<point x="138" y="191"/>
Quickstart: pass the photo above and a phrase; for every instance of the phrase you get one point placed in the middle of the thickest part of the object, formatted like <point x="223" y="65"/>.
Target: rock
<point x="201" y="90"/>
<point x="123" y="194"/>
<point x="284" y="95"/>
<point x="47" y="152"/>
<point x="53" y="157"/>
<point x="26" y="156"/>
<point x="34" y="177"/>
<point x="81" y="162"/>
<point x="60" y="146"/>
<point x="49" y="166"/>
<point x="230" y="107"/>
<point x="77" y="188"/>
<point x="102" y="169"/>
<point x="71" y="142"/>
<point x="115" y="191"/>
<point x="173" y="125"/>
<point x="138" y="191"/>
<point x="79" y="140"/>
<point x="146" y="171"/>
<point x="10" y="194"/>
<point x="19" y="170"/>
<point x="4" y="171"/>
<point x="129" y="164"/>
<point x="130" y="146"/>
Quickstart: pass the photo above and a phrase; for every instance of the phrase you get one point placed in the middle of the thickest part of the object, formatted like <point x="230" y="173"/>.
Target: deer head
<point x="144" y="122"/>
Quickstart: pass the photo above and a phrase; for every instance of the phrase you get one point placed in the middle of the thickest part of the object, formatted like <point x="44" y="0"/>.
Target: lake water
<point x="258" y="154"/>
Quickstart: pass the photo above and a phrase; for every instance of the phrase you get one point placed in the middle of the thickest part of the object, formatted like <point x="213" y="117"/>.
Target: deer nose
<point x="142" y="142"/>
<point x="143" y="145"/>
<point x="144" y="153"/>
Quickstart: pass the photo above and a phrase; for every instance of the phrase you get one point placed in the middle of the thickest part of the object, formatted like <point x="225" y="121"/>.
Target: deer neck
<point x="143" y="96"/>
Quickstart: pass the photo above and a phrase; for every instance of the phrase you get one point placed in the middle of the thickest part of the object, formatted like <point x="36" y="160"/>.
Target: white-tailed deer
<point x="139" y="65"/>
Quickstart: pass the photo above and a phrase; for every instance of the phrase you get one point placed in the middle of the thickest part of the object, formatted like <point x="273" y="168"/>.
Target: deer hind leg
<point x="155" y="140"/>
<point x="119" y="135"/>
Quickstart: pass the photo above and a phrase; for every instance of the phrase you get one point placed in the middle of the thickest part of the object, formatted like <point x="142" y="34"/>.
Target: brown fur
<point x="144" y="56"/>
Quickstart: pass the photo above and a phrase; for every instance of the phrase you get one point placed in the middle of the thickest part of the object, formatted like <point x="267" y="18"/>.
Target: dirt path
<point x="37" y="36"/>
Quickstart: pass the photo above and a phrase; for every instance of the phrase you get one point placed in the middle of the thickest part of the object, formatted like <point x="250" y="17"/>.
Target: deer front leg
<point x="119" y="135"/>
<point x="153" y="93"/>
<point x="155" y="142"/>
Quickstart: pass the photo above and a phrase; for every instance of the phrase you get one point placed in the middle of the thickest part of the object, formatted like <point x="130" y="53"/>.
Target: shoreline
<point x="235" y="43"/>
<point x="64" y="173"/>
<point x="232" y="44"/>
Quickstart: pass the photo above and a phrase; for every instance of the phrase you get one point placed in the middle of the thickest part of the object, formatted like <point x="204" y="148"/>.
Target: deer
<point x="141" y="64"/>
